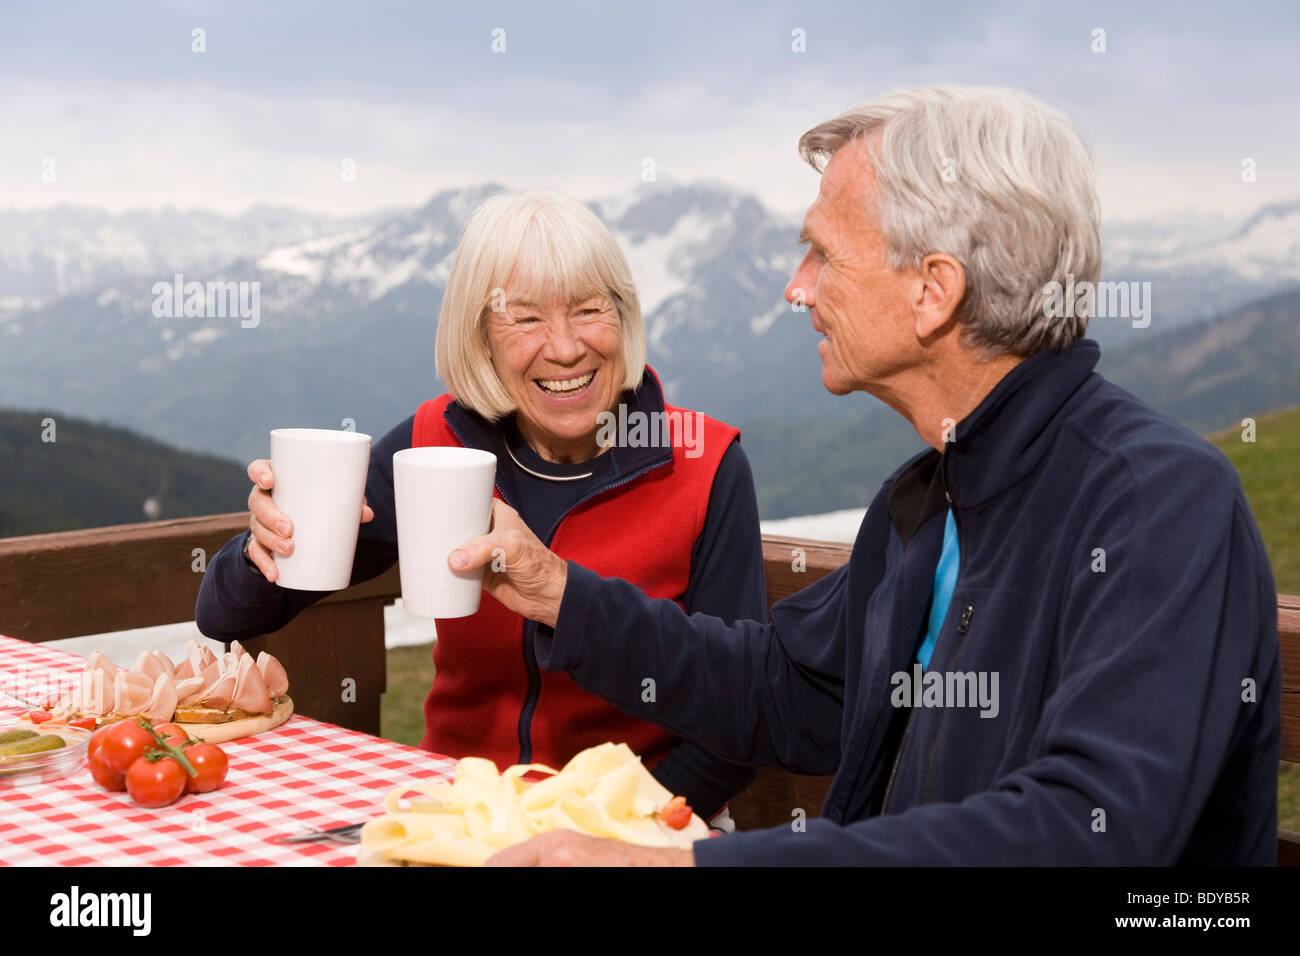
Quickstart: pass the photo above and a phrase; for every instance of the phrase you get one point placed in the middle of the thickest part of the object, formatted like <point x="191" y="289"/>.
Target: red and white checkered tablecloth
<point x="303" y="775"/>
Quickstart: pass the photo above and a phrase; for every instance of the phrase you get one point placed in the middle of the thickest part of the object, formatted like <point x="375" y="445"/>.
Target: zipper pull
<point x="967" y="612"/>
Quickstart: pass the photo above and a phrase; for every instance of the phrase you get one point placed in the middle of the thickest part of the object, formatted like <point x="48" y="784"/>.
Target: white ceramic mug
<point x="320" y="479"/>
<point x="443" y="498"/>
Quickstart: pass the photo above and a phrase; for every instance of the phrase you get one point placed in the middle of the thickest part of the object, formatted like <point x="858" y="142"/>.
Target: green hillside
<point x="1269" y="474"/>
<point x="94" y="474"/>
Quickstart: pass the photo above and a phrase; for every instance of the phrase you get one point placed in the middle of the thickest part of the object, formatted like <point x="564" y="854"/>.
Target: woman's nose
<point x="562" y="344"/>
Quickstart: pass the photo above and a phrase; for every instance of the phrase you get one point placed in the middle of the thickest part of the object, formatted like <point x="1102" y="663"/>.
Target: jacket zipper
<point x="907" y="729"/>
<point x="962" y="626"/>
<point x="530" y="627"/>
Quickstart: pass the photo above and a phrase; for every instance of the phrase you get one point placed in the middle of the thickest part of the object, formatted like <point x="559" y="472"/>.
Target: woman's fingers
<point x="268" y="539"/>
<point x="259" y="473"/>
<point x="257" y="554"/>
<point x="367" y="512"/>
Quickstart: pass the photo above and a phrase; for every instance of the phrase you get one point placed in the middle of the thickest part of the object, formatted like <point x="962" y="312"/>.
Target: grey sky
<point x="585" y="92"/>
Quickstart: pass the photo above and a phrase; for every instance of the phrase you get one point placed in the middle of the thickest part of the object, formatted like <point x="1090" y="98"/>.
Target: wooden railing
<point x="74" y="583"/>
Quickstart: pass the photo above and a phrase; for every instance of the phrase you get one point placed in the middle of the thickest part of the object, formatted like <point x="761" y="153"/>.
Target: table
<point x="303" y="775"/>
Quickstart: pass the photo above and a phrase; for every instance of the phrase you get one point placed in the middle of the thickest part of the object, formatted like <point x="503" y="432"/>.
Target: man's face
<point x="855" y="300"/>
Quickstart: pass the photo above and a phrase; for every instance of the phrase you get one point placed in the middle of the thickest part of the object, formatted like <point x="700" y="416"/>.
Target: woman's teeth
<point x="560" y="386"/>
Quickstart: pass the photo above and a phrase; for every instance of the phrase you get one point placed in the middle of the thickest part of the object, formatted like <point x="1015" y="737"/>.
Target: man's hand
<point x="521" y="572"/>
<point x="567" y="848"/>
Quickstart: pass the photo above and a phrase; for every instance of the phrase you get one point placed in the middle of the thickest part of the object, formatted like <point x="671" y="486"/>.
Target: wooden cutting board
<point x="243" y="727"/>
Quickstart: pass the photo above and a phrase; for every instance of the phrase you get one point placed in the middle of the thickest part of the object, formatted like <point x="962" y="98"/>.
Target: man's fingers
<point x="475" y="552"/>
<point x="521" y="854"/>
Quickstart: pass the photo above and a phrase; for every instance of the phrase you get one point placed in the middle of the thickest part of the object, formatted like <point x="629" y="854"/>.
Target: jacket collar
<point x="1001" y="441"/>
<point x="475" y="431"/>
<point x="1010" y="431"/>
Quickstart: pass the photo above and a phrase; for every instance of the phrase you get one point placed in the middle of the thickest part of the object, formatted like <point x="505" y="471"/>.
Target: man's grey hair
<point x="994" y="178"/>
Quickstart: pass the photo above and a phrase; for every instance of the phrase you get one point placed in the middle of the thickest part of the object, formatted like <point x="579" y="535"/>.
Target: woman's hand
<point x="272" y="529"/>
<point x="521" y="572"/>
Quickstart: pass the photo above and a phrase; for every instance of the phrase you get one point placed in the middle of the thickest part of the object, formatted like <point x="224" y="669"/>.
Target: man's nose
<point x="801" y="289"/>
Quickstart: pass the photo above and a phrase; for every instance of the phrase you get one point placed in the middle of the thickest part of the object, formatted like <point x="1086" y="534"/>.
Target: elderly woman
<point x="541" y="343"/>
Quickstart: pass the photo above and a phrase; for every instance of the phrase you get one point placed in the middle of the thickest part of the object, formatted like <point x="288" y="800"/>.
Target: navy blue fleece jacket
<point x="1114" y="601"/>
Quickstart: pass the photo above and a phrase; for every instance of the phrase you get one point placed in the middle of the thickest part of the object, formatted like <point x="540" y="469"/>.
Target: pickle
<point x="32" y="745"/>
<point x="9" y="736"/>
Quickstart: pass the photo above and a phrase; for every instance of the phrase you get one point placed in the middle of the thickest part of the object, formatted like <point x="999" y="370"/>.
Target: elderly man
<point x="1056" y="639"/>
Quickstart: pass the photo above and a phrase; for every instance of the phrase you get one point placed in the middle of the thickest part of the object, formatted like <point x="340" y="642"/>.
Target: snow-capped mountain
<point x="347" y="311"/>
<point x="1200" y="277"/>
<point x="49" y="253"/>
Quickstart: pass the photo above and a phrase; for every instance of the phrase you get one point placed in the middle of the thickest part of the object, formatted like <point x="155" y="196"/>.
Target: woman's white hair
<point x="994" y="178"/>
<point x="541" y="245"/>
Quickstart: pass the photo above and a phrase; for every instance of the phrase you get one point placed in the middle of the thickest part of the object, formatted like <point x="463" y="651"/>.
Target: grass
<point x="401" y="708"/>
<point x="1267" y="467"/>
<point x="1272" y="484"/>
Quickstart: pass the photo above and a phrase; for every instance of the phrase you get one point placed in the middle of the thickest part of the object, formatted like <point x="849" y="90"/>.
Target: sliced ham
<point x="129" y="697"/>
<point x="98" y="662"/>
<point x="221" y="692"/>
<point x="152" y="663"/>
<point x="162" y="702"/>
<point x="277" y="681"/>
<point x="250" y="693"/>
<point x="197" y="657"/>
<point x="188" y="691"/>
<point x="237" y="649"/>
<point x="95" y="695"/>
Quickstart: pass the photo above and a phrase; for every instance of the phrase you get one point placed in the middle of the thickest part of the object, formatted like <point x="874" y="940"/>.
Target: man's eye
<point x="527" y="318"/>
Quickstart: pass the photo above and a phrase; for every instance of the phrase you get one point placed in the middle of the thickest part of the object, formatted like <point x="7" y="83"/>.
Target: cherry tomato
<point x="172" y="733"/>
<point x="155" y="783"/>
<point x="124" y="744"/>
<point x="39" y="716"/>
<point x="676" y="813"/>
<point x="85" y="723"/>
<point x="210" y="762"/>
<point x="96" y="740"/>
<point x="103" y="776"/>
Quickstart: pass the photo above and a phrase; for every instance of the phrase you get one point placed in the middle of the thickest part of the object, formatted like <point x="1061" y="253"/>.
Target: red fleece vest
<point x="642" y="532"/>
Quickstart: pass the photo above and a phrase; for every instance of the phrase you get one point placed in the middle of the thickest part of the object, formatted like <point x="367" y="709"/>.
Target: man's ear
<point x="940" y="287"/>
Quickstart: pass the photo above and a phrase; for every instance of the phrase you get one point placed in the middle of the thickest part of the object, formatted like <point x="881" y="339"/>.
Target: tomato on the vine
<point x="105" y="777"/>
<point x="155" y="783"/>
<point x="124" y="744"/>
<point x="210" y="763"/>
<point x="96" y="739"/>
<point x="172" y="734"/>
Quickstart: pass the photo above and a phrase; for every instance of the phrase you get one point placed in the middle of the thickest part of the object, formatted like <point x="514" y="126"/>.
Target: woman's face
<point x="563" y="366"/>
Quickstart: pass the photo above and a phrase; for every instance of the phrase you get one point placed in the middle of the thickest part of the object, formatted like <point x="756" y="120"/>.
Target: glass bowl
<point x="27" y="769"/>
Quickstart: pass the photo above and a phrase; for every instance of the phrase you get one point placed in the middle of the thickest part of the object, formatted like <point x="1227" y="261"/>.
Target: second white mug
<point x="443" y="498"/>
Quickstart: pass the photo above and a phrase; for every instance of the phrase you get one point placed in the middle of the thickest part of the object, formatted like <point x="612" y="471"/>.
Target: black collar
<point x="998" y="443"/>
<point x="475" y="431"/>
